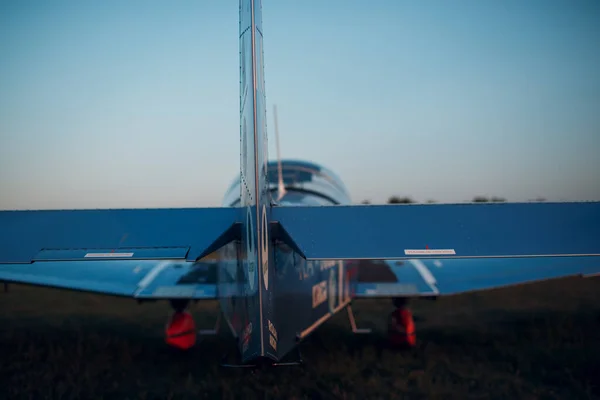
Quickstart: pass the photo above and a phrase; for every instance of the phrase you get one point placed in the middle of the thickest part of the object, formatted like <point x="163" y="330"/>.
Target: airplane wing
<point x="143" y="279"/>
<point x="140" y="253"/>
<point x="434" y="277"/>
<point x="430" y="250"/>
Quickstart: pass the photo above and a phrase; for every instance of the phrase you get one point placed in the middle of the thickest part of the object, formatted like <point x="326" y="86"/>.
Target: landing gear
<point x="213" y="331"/>
<point x="353" y="322"/>
<point x="401" y="325"/>
<point x="180" y="331"/>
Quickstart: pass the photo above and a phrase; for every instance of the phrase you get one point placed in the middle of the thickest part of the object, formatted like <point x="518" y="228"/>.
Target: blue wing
<point x="431" y="250"/>
<point x="143" y="279"/>
<point x="141" y="253"/>
<point x="430" y="278"/>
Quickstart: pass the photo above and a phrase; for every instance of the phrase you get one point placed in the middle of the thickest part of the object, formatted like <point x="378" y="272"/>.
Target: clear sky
<point x="135" y="103"/>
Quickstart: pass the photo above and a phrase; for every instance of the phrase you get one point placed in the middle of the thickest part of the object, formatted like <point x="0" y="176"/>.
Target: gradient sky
<point x="135" y="104"/>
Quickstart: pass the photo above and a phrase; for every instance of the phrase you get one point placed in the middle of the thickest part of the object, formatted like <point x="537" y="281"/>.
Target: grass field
<point x="534" y="341"/>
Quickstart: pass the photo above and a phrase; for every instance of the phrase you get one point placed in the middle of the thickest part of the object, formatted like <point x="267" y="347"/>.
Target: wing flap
<point x="442" y="230"/>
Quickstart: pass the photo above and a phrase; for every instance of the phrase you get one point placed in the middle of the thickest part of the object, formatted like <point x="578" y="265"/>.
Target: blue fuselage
<point x="302" y="294"/>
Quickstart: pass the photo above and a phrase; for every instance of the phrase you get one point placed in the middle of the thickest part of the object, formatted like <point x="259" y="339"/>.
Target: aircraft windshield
<point x="301" y="175"/>
<point x="297" y="173"/>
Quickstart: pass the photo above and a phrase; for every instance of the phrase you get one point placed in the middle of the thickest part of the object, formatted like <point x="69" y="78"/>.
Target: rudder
<point x="255" y="197"/>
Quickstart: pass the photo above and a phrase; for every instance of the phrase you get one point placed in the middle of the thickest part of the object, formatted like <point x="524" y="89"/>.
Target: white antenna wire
<point x="280" y="186"/>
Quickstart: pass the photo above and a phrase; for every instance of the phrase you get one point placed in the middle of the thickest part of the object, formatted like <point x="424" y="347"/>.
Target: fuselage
<point x="301" y="294"/>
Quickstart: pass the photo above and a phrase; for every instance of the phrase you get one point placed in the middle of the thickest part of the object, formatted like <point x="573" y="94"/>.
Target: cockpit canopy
<point x="299" y="178"/>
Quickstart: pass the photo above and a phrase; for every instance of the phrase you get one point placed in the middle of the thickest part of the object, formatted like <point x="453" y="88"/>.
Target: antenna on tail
<point x="280" y="186"/>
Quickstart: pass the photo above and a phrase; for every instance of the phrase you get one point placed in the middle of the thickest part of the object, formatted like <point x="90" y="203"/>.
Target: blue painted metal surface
<point x="453" y="276"/>
<point x="132" y="278"/>
<point x="307" y="293"/>
<point x="23" y="234"/>
<point x="248" y="308"/>
<point x="456" y="276"/>
<point x="409" y="282"/>
<point x="471" y="230"/>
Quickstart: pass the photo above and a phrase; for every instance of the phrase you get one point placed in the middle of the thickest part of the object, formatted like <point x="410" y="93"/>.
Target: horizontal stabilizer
<point x="443" y="230"/>
<point x="445" y="277"/>
<point x="145" y="233"/>
<point x="140" y="253"/>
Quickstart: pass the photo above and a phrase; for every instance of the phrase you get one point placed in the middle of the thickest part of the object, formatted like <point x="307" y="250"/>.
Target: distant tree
<point x="539" y="198"/>
<point x="365" y="202"/>
<point x="430" y="201"/>
<point x="483" y="199"/>
<point x="400" y="200"/>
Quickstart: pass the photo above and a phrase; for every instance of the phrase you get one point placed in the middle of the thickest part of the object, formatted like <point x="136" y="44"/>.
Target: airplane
<point x="288" y="249"/>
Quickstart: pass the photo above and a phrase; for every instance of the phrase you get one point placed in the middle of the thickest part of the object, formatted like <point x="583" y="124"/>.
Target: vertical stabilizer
<point x="255" y="197"/>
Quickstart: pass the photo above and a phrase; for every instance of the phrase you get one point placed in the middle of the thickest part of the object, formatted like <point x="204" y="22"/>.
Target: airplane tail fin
<point x="253" y="267"/>
<point x="253" y="127"/>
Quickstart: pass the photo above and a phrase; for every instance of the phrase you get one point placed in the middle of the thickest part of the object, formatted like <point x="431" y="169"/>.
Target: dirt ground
<point x="538" y="341"/>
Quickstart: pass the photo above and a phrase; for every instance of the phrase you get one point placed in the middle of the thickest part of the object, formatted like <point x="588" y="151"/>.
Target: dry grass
<point x="535" y="341"/>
